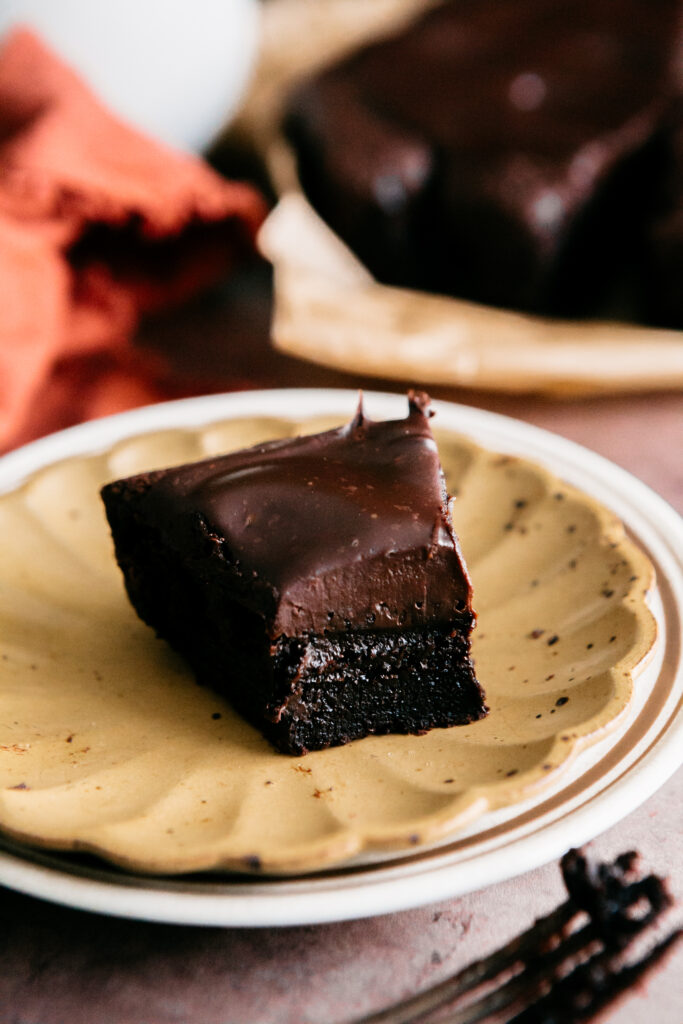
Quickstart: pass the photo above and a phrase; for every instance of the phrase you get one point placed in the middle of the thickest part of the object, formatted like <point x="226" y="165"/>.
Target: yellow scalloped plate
<point x="108" y="745"/>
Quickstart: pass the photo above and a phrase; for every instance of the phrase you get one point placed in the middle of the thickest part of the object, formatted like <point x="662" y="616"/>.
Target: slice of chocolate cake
<point x="499" y="150"/>
<point x="315" y="582"/>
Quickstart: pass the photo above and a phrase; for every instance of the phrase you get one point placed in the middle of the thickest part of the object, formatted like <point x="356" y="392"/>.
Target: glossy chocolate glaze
<point x="486" y="150"/>
<point x="348" y="529"/>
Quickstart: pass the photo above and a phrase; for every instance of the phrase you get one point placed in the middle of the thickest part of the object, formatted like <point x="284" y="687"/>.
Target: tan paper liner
<point x="328" y="309"/>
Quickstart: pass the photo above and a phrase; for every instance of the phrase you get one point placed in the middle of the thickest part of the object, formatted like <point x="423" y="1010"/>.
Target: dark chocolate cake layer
<point x="500" y="150"/>
<point x="663" y="245"/>
<point x="316" y="581"/>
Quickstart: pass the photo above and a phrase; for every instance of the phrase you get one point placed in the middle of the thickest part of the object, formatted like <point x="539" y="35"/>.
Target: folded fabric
<point x="99" y="226"/>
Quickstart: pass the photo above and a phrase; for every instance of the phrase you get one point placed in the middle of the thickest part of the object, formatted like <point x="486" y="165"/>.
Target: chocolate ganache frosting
<point x="337" y="531"/>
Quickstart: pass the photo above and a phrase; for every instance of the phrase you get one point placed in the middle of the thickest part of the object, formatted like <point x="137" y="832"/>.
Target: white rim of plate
<point x="377" y="888"/>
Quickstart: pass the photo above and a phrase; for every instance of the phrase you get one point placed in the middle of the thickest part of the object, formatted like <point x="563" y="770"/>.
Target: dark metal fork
<point x="568" y="966"/>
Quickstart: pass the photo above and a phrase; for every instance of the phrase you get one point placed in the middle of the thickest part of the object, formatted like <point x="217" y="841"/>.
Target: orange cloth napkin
<point x="99" y="225"/>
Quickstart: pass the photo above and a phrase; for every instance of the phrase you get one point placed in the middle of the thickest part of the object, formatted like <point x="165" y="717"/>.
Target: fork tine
<point x="477" y="973"/>
<point x="606" y="894"/>
<point x="530" y="984"/>
<point x="591" y="986"/>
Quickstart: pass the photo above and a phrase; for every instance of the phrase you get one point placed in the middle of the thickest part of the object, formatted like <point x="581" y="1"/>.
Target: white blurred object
<point x="174" y="68"/>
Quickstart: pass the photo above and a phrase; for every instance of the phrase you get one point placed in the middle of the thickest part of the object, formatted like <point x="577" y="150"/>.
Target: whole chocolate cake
<point x="316" y="582"/>
<point x="501" y="150"/>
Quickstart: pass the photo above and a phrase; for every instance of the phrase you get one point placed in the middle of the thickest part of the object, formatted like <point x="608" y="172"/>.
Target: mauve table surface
<point x="59" y="966"/>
